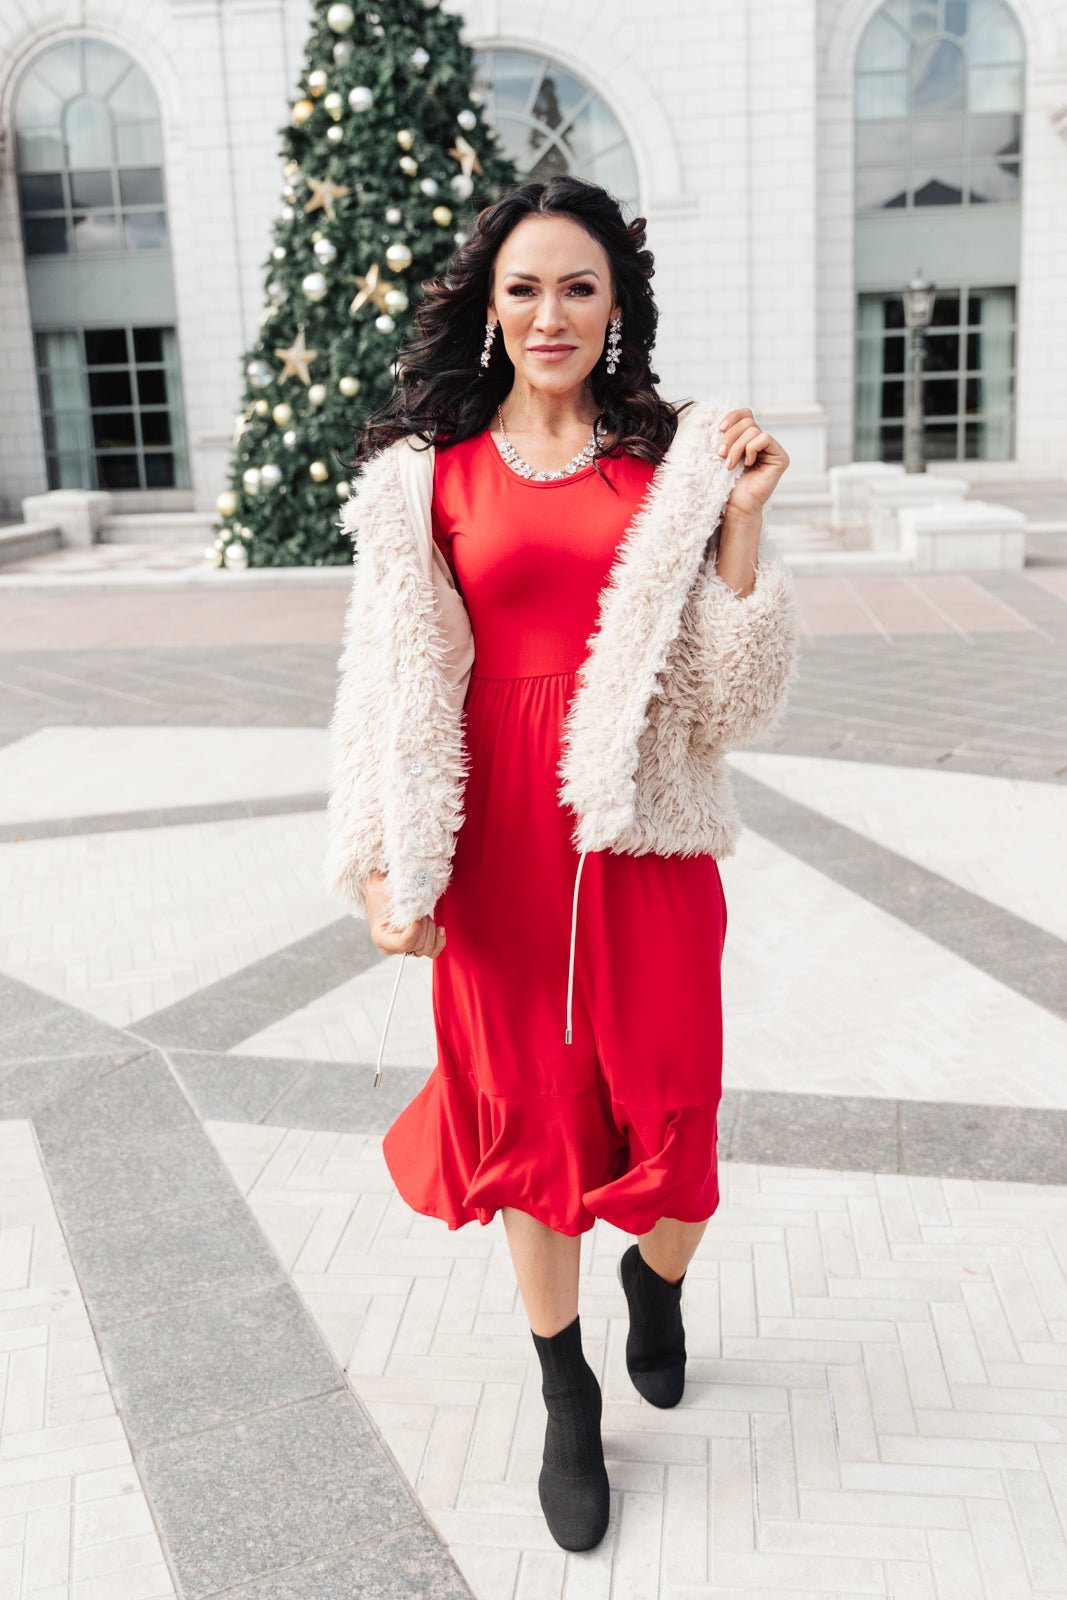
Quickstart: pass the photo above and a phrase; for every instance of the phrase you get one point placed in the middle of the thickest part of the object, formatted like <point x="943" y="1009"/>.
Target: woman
<point x="560" y="580"/>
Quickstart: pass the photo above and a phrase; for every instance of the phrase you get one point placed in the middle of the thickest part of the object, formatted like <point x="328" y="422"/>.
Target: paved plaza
<point x="233" y="1362"/>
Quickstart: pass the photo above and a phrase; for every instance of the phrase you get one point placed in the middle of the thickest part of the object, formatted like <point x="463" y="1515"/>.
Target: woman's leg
<point x="669" y="1247"/>
<point x="546" y="1267"/>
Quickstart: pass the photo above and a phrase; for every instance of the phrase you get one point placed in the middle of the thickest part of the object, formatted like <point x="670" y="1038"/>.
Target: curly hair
<point x="442" y="395"/>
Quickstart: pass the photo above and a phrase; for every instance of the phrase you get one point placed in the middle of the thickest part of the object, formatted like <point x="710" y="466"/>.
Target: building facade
<point x="797" y="162"/>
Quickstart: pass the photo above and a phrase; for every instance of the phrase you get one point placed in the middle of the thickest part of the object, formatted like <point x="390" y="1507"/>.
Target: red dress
<point x="621" y="1122"/>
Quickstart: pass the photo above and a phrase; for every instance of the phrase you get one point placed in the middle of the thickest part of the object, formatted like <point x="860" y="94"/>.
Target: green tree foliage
<point x="386" y="160"/>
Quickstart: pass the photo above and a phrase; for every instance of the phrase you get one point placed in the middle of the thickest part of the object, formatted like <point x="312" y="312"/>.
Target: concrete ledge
<point x="886" y="498"/>
<point x="963" y="536"/>
<point x="21" y="539"/>
<point x="78" y="513"/>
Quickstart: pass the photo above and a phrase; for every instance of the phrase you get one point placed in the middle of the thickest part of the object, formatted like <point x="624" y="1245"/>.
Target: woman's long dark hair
<point x="443" y="395"/>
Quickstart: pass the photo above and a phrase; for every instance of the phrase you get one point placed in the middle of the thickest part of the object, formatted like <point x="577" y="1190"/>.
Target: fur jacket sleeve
<point x="678" y="669"/>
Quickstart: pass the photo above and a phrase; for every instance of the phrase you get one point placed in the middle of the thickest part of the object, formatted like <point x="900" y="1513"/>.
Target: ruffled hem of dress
<point x="460" y="1154"/>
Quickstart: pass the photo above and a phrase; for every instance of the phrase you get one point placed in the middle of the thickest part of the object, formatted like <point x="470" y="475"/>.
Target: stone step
<point x="168" y="527"/>
<point x="21" y="539"/>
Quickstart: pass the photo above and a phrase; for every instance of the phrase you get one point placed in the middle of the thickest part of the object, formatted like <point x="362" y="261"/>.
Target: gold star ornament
<point x="372" y="287"/>
<point x="466" y="155"/>
<point x="297" y="360"/>
<point x="323" y="194"/>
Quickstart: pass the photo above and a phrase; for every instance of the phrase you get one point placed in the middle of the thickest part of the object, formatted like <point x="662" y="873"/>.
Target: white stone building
<point x="797" y="163"/>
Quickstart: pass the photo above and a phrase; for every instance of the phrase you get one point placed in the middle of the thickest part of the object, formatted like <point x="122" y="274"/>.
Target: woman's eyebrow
<point x="535" y="279"/>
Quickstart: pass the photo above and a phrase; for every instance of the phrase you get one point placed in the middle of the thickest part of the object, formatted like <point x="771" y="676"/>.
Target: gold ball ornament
<point x="317" y="394"/>
<point x="398" y="256"/>
<point x="319" y="471"/>
<point x="335" y="104"/>
<point x="302" y="111"/>
<point x="409" y="165"/>
<point x="442" y="216"/>
<point x="396" y="300"/>
<point x="282" y="413"/>
<point x="227" y="503"/>
<point x="344" y="489"/>
<point x="261" y="407"/>
<point x="317" y="81"/>
<point x="348" y="385"/>
<point x="405" y="138"/>
<point x="335" y="133"/>
<point x="290" y="170"/>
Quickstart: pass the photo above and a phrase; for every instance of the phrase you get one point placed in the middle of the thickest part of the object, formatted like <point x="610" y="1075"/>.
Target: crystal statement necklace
<point x="524" y="469"/>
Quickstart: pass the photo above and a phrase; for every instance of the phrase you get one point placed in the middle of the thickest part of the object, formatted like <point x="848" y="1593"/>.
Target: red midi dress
<point x="621" y="1122"/>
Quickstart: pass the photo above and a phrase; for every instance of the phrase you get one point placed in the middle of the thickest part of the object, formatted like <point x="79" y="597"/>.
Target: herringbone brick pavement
<point x="876" y="1399"/>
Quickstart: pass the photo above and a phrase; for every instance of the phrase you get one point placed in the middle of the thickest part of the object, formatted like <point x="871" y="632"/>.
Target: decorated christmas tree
<point x="385" y="158"/>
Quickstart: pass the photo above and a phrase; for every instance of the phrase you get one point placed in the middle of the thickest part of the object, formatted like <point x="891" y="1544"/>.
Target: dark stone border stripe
<point x="160" y="817"/>
<point x="1006" y="947"/>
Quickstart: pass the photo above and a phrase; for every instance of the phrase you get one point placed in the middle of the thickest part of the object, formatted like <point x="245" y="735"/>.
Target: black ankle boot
<point x="573" y="1485"/>
<point x="655" y="1344"/>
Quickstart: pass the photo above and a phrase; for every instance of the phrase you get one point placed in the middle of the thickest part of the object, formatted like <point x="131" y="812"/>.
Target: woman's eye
<point x="520" y="288"/>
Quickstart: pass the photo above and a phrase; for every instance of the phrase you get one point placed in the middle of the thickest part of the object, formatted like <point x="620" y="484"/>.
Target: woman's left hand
<point x="765" y="461"/>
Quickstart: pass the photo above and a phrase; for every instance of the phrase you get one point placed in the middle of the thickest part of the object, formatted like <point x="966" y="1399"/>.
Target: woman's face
<point x="552" y="286"/>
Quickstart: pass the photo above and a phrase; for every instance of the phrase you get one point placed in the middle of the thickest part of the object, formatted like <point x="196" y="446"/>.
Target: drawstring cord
<point x="570" y="967"/>
<point x="570" y="977"/>
<point x="388" y="1015"/>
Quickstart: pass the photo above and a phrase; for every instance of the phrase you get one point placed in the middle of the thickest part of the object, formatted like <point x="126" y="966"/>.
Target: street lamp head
<point x="918" y="302"/>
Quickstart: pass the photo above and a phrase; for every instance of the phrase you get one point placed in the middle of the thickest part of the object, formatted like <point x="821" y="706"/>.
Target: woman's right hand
<point x="420" y="938"/>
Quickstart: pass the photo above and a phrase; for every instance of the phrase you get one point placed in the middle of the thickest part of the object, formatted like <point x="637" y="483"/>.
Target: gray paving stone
<point x="160" y="817"/>
<point x="32" y="1024"/>
<point x="811" y="1130"/>
<point x="26" y="1087"/>
<point x="1012" y="1143"/>
<point x="292" y="1485"/>
<point x="170" y="1259"/>
<point x="343" y="1094"/>
<point x="228" y="1088"/>
<point x="408" y="1565"/>
<point x="127" y="1146"/>
<point x="214" y="1361"/>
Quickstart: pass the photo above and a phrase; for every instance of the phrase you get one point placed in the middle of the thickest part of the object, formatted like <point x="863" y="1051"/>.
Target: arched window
<point x="939" y="101"/>
<point x="89" y="159"/>
<point x="88" y="150"/>
<point x="549" y="121"/>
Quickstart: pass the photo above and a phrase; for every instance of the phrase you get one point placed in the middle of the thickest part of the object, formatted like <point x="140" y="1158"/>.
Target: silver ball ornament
<point x="361" y="98"/>
<point x="467" y="120"/>
<point x="259" y="374"/>
<point x="317" y="81"/>
<point x="396" y="300"/>
<point x="339" y="18"/>
<point x="314" y="287"/>
<point x="335" y="103"/>
<point x="325" y="252"/>
<point x="420" y="58"/>
<point x="462" y="186"/>
<point x="270" y="475"/>
<point x="277" y="292"/>
<point x="279" y="253"/>
<point x="289" y="438"/>
<point x="342" y="52"/>
<point x="398" y="256"/>
<point x="385" y="323"/>
<point x="282" y="413"/>
<point x="317" y="394"/>
<point x="236" y="557"/>
<point x="335" y="133"/>
<point x="409" y="165"/>
<point x="393" y="215"/>
<point x="226" y="503"/>
<point x="250" y="479"/>
<point x="429" y="186"/>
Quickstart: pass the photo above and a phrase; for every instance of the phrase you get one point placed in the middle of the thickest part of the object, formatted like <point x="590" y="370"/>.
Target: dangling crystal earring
<point x="614" y="342"/>
<point x="490" y="333"/>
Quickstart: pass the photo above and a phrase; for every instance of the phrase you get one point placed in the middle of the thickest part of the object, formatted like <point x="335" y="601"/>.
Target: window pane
<point x="880" y="143"/>
<point x="43" y="192"/>
<point x="96" y="230"/>
<point x="957" y="17"/>
<point x="509" y="74"/>
<point x="151" y="386"/>
<point x="45" y="236"/>
<point x="878" y="189"/>
<point x="61" y="69"/>
<point x="881" y="94"/>
<point x="558" y="94"/>
<point x="110" y="388"/>
<point x="105" y="346"/>
<point x="923" y="17"/>
<point x="134" y="100"/>
<point x="992" y="135"/>
<point x="139" y="144"/>
<point x="155" y="427"/>
<point x="996" y="88"/>
<point x="37" y="104"/>
<point x="552" y="162"/>
<point x="892" y="435"/>
<point x="994" y="183"/>
<point x="942" y="352"/>
<point x="159" y="470"/>
<point x="938" y="77"/>
<point x="994" y="36"/>
<point x="882" y="47"/>
<point x="614" y="170"/>
<point x="87" y="125"/>
<point x="148" y="344"/>
<point x="933" y="139"/>
<point x="940" y="187"/>
<point x="946" y="312"/>
<point x="894" y="355"/>
<point x="940" y="397"/>
<point x="104" y="66"/>
<point x="91" y="189"/>
<point x="893" y="400"/>
<point x="939" y="441"/>
<point x="594" y="129"/>
<point x="118" y="472"/>
<point x="141" y="186"/>
<point x="113" y="429"/>
<point x="145" y="230"/>
<point x="40" y="150"/>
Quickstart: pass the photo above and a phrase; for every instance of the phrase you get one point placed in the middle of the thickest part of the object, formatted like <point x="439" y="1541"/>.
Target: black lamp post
<point x="918" y="310"/>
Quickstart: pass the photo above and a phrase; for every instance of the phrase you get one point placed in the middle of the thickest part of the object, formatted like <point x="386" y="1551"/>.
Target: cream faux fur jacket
<point x="678" y="668"/>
